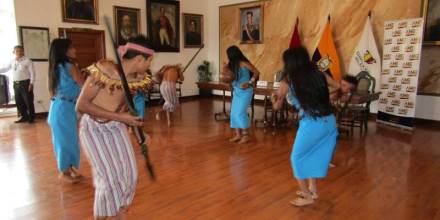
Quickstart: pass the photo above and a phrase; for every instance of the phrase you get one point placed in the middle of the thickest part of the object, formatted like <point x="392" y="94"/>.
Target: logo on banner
<point x="403" y="24"/>
<point x="389" y="26"/>
<point x="391" y="94"/>
<point x="411" y="73"/>
<point x="383" y="100"/>
<point x="400" y="40"/>
<point x="410" y="32"/>
<point x="389" y="109"/>
<point x="395" y="102"/>
<point x="409" y="49"/>
<point x="410" y="89"/>
<point x="406" y="81"/>
<point x="409" y="104"/>
<point x="397" y="87"/>
<point x="384" y="86"/>
<point x="392" y="80"/>
<point x="416" y="24"/>
<point x="414" y="40"/>
<point x="403" y="111"/>
<point x="395" y="49"/>
<point x="398" y="72"/>
<point x="414" y="57"/>
<point x="407" y="65"/>
<point x="404" y="96"/>
<point x="400" y="56"/>
<point x="394" y="64"/>
<point x="397" y="33"/>
<point x="387" y="56"/>
<point x="388" y="41"/>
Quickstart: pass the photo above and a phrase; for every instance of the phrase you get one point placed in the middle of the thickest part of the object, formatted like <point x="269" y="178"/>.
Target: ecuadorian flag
<point x="325" y="56"/>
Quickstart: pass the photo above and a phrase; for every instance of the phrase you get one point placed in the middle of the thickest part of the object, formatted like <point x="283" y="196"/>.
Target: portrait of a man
<point x="127" y="23"/>
<point x="80" y="11"/>
<point x="163" y="16"/>
<point x="251" y="24"/>
<point x="193" y="30"/>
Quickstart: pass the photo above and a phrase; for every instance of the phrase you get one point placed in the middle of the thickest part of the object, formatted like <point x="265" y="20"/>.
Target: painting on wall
<point x="251" y="25"/>
<point x="429" y="78"/>
<point x="127" y="23"/>
<point x="193" y="30"/>
<point x="35" y="41"/>
<point x="80" y="11"/>
<point x="431" y="13"/>
<point x="163" y="25"/>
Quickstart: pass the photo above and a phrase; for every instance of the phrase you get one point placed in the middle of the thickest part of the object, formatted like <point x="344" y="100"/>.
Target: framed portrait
<point x="251" y="25"/>
<point x="431" y="13"/>
<point x="163" y="25"/>
<point x="192" y="30"/>
<point x="80" y="11"/>
<point x="127" y="23"/>
<point x="429" y="76"/>
<point x="35" y="41"/>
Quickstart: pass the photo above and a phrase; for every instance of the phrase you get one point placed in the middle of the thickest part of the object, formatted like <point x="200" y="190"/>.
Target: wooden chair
<point x="357" y="115"/>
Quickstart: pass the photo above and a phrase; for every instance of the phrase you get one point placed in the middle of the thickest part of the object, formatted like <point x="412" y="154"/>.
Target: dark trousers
<point x="24" y="99"/>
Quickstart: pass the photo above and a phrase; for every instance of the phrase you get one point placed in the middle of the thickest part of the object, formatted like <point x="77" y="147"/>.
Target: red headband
<point x="122" y="50"/>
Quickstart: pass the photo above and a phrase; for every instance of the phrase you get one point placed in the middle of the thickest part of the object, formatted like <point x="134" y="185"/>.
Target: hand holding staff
<point x="130" y="104"/>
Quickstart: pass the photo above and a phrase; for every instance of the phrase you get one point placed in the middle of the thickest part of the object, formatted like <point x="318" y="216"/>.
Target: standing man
<point x="165" y="29"/>
<point x="251" y="30"/>
<point x="23" y="76"/>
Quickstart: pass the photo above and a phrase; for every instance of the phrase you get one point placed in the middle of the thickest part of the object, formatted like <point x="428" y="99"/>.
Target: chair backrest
<point x="366" y="82"/>
<point x="278" y="76"/>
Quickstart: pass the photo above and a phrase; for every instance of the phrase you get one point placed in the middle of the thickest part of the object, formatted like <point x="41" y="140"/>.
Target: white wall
<point x="30" y="13"/>
<point x="47" y="13"/>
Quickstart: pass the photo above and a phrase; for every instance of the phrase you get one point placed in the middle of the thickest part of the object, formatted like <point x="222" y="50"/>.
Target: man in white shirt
<point x="23" y="76"/>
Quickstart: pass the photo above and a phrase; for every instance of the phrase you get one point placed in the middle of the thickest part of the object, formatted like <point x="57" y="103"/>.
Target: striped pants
<point x="169" y="93"/>
<point x="110" y="152"/>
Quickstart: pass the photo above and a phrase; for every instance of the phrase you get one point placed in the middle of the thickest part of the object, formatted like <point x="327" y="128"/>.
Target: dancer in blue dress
<point x="245" y="75"/>
<point x="64" y="86"/>
<point x="306" y="89"/>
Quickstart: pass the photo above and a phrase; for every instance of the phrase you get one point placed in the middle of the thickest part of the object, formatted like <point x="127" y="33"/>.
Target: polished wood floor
<point x="388" y="174"/>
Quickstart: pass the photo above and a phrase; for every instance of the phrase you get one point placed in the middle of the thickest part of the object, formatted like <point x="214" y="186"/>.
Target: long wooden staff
<point x="192" y="58"/>
<point x="129" y="100"/>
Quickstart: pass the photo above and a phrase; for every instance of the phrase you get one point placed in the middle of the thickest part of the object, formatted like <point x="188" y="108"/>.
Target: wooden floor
<point x="386" y="175"/>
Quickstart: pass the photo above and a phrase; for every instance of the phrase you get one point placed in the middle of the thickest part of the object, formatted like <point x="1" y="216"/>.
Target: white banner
<point x="400" y="71"/>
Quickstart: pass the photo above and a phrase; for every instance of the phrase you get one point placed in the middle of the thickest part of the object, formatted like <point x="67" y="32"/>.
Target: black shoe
<point x="22" y="120"/>
<point x="31" y="121"/>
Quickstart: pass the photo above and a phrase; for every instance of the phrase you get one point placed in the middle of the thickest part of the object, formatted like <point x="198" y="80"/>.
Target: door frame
<point x="63" y="31"/>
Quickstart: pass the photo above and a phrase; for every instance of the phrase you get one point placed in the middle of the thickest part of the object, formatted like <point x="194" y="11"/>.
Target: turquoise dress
<point x="139" y="103"/>
<point x="63" y="120"/>
<point x="314" y="144"/>
<point x="241" y="100"/>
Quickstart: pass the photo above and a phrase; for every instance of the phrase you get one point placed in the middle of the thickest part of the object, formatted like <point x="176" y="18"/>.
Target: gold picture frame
<point x="257" y="14"/>
<point x="431" y="30"/>
<point x="80" y="12"/>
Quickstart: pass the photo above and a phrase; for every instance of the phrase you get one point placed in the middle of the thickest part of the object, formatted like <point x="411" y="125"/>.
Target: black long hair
<point x="307" y="81"/>
<point x="235" y="56"/>
<point x="57" y="55"/>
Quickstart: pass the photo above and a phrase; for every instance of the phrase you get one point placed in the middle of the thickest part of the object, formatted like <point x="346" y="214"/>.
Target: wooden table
<point x="218" y="86"/>
<point x="258" y="90"/>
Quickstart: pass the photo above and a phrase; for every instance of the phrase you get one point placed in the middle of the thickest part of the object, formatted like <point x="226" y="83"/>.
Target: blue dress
<point x="63" y="119"/>
<point x="314" y="144"/>
<point x="139" y="103"/>
<point x="241" y="100"/>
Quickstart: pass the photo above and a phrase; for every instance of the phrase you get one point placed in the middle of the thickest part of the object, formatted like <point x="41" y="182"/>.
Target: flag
<point x="325" y="55"/>
<point x="366" y="56"/>
<point x="295" y="41"/>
